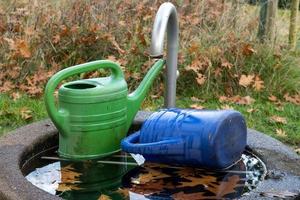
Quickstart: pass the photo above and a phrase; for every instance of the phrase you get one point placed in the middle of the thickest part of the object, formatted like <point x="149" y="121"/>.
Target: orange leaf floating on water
<point x="280" y="133"/>
<point x="246" y="80"/>
<point x="278" y="119"/>
<point x="104" y="197"/>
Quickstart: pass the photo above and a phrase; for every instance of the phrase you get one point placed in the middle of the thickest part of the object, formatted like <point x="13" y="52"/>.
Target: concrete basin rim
<point x="16" y="145"/>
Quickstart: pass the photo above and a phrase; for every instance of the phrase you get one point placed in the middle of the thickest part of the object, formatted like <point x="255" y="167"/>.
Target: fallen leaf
<point x="195" y="99"/>
<point x="200" y="79"/>
<point x="227" y="107"/>
<point x="258" y="84"/>
<point x="251" y="110"/>
<point x="278" y="119"/>
<point x="7" y="86"/>
<point x="25" y="113"/>
<point x="104" y="197"/>
<point x="194" y="47"/>
<point x="295" y="99"/>
<point x="248" y="50"/>
<point x="15" y="96"/>
<point x="196" y="106"/>
<point x="246" y="80"/>
<point x="226" y="64"/>
<point x="23" y="48"/>
<point x="280" y="133"/>
<point x="272" y="98"/>
<point x="247" y="100"/>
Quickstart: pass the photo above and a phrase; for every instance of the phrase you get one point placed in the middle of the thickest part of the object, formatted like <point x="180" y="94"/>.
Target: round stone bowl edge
<point x="283" y="164"/>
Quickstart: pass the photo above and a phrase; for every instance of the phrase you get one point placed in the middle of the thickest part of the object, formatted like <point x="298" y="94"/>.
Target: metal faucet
<point x="166" y="20"/>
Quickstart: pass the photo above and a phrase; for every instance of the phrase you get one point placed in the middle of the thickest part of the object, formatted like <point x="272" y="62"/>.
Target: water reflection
<point x="119" y="177"/>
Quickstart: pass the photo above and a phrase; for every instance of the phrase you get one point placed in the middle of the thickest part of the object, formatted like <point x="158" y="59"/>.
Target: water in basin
<point x="119" y="177"/>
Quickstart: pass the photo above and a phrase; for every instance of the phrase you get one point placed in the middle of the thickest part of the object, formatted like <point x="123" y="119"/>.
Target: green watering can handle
<point x="52" y="84"/>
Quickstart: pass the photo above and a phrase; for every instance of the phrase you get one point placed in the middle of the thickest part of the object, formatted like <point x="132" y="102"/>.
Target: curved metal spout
<point x="166" y="20"/>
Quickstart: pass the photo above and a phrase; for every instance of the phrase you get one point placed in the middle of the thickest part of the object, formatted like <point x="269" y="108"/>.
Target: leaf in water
<point x="152" y="174"/>
<point x="278" y="194"/>
<point x="69" y="174"/>
<point x="197" y="106"/>
<point x="225" y="187"/>
<point x="278" y="119"/>
<point x="190" y="196"/>
<point x="104" y="197"/>
<point x="194" y="181"/>
<point x="280" y="133"/>
<point x="246" y="80"/>
<point x="25" y="113"/>
<point x="62" y="187"/>
<point x="124" y="192"/>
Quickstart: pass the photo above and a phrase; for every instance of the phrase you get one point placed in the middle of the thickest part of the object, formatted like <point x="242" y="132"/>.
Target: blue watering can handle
<point x="165" y="147"/>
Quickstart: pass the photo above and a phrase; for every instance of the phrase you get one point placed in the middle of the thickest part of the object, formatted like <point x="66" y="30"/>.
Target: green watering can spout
<point x="136" y="98"/>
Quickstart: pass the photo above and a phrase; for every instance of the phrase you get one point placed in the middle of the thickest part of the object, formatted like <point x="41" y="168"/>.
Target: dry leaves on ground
<point x="280" y="132"/>
<point x="246" y="80"/>
<point x="25" y="113"/>
<point x="197" y="106"/>
<point x="227" y="107"/>
<point x="247" y="100"/>
<point x="278" y="119"/>
<point x="104" y="197"/>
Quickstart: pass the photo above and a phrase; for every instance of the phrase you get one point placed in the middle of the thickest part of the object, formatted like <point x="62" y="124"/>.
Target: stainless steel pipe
<point x="166" y="20"/>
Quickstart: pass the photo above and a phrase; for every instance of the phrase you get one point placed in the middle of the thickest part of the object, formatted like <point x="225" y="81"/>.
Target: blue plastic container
<point x="206" y="138"/>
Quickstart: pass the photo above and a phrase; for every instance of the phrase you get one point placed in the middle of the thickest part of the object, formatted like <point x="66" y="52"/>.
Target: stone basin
<point x="283" y="164"/>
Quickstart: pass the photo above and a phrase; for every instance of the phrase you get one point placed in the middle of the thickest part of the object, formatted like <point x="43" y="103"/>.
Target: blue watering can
<point x="206" y="138"/>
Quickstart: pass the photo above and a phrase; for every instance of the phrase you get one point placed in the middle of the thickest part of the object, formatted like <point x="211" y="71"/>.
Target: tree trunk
<point x="268" y="13"/>
<point x="293" y="24"/>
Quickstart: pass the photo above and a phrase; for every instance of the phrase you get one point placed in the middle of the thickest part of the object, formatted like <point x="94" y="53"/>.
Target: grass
<point x="258" y="118"/>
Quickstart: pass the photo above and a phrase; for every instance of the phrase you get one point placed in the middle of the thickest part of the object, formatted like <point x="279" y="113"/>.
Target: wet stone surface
<point x="119" y="177"/>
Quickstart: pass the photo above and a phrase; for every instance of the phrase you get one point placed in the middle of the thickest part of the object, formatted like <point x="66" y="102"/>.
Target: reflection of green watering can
<point x="94" y="115"/>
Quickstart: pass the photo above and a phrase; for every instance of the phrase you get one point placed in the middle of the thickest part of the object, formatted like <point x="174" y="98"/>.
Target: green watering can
<point x="94" y="115"/>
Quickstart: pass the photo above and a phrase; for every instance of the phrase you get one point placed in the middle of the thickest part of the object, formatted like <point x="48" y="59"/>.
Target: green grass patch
<point x="12" y="112"/>
<point x="258" y="114"/>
